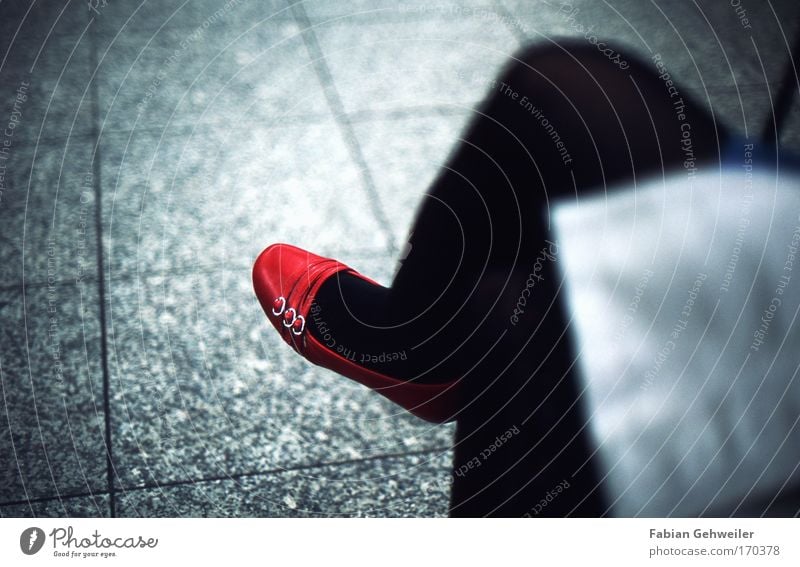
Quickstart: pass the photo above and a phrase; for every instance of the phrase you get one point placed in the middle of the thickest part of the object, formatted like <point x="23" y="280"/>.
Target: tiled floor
<point x="158" y="147"/>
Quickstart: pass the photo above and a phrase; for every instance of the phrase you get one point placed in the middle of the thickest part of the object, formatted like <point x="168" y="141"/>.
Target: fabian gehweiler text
<point x="701" y="534"/>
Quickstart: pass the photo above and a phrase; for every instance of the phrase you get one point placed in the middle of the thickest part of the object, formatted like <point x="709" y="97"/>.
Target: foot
<point x="287" y="282"/>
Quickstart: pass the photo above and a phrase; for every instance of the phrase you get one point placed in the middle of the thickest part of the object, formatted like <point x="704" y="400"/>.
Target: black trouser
<point x="562" y="120"/>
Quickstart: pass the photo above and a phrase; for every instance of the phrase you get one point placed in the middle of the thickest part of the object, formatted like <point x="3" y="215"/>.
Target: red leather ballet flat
<point x="286" y="280"/>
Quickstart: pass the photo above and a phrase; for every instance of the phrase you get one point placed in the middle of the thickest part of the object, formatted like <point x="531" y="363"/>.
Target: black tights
<point x="561" y="120"/>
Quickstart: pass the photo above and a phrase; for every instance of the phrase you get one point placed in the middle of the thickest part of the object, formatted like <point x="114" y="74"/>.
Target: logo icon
<point x="31" y="540"/>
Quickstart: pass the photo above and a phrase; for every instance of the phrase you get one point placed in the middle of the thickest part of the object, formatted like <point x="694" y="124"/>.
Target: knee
<point x="553" y="55"/>
<point x="571" y="67"/>
<point x="549" y="67"/>
<point x="551" y="52"/>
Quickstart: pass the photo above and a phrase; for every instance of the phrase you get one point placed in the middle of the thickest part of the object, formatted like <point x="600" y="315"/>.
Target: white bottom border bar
<point x="391" y="542"/>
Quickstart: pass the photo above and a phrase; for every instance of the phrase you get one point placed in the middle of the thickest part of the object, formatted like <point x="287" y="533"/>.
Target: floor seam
<point x="281" y="470"/>
<point x="97" y="185"/>
<point x="215" y="478"/>
<point x="345" y="126"/>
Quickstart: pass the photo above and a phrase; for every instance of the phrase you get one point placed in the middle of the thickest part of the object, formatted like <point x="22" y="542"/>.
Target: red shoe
<point x="286" y="280"/>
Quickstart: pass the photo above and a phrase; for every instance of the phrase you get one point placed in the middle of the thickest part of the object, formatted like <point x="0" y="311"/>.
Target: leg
<point x="618" y="128"/>
<point x="562" y="120"/>
<point x="559" y="121"/>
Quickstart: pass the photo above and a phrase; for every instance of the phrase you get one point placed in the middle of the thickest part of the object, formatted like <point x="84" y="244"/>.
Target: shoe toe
<point x="285" y="278"/>
<point x="276" y="272"/>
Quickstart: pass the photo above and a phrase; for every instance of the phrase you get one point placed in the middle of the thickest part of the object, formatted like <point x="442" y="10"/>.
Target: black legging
<point x="477" y="297"/>
<point x="563" y="120"/>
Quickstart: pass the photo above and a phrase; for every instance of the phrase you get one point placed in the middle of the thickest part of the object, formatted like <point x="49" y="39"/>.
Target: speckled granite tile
<point x="203" y="386"/>
<point x="407" y="64"/>
<point x="43" y="124"/>
<point x="51" y="417"/>
<point x="206" y="74"/>
<point x="404" y="155"/>
<point x="95" y="506"/>
<point x="44" y="73"/>
<point x="47" y="213"/>
<point x="390" y="487"/>
<point x="218" y="197"/>
<point x="702" y="44"/>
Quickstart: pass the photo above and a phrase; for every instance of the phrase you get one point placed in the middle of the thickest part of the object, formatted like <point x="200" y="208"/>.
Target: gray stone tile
<point x="217" y="197"/>
<point x="52" y="419"/>
<point x="95" y="506"/>
<point x="26" y="26"/>
<point x="703" y="44"/>
<point x="790" y="137"/>
<point x="47" y="208"/>
<point x="44" y="73"/>
<point x="381" y="10"/>
<point x="203" y="386"/>
<point x="757" y="45"/>
<point x="231" y="17"/>
<point x="404" y="155"/>
<point x="426" y="62"/>
<point x="215" y="74"/>
<point x="391" y="487"/>
<point x="745" y="112"/>
<point x="768" y="41"/>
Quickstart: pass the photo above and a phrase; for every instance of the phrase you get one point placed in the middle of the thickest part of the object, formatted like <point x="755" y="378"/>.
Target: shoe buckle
<point x="278" y="306"/>
<point x="297" y="329"/>
<point x="289" y="317"/>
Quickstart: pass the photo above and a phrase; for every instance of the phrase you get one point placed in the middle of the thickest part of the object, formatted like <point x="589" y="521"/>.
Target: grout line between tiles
<point x="97" y="185"/>
<point x="269" y="472"/>
<point x="342" y="121"/>
<point x="236" y="476"/>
